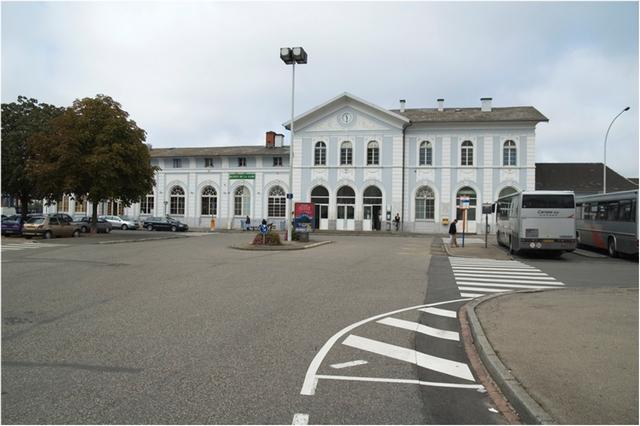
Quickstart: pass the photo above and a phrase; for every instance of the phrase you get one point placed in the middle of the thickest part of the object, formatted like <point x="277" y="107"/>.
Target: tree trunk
<point x="24" y="207"/>
<point x="94" y="217"/>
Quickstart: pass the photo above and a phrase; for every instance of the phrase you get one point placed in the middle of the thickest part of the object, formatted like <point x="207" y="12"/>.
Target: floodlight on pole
<point x="292" y="56"/>
<point x="604" y="171"/>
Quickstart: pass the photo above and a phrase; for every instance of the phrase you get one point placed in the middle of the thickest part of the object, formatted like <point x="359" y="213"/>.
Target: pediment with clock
<point x="348" y="113"/>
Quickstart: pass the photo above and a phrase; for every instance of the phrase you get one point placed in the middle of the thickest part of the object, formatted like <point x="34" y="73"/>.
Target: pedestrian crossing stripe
<point x="476" y="277"/>
<point x="27" y="246"/>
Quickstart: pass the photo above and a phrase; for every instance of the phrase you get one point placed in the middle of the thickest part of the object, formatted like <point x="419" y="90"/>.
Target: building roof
<point x="453" y="115"/>
<point x="582" y="178"/>
<point x="219" y="151"/>
<point x="634" y="180"/>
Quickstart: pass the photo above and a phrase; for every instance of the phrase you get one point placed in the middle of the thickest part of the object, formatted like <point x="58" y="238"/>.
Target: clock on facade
<point x="346" y="117"/>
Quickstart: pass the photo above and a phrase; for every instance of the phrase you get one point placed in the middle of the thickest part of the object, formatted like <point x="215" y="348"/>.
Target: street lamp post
<point x="292" y="56"/>
<point x="604" y="172"/>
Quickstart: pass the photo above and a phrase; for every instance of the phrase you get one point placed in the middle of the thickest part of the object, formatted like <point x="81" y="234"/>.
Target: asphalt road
<point x="189" y="331"/>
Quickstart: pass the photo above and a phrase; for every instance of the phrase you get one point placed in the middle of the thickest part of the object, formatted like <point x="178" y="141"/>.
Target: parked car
<point x="12" y="225"/>
<point x="50" y="226"/>
<point x="120" y="223"/>
<point x="164" y="224"/>
<point x="85" y="224"/>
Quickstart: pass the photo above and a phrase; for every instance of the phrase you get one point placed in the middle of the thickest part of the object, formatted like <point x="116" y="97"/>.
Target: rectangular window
<point x="625" y="211"/>
<point x="208" y="162"/>
<point x="372" y="156"/>
<point x="277" y="161"/>
<point x="242" y="161"/>
<point x="467" y="156"/>
<point x="277" y="206"/>
<point x="177" y="163"/>
<point x="146" y="205"/>
<point x="612" y="211"/>
<point x="547" y="202"/>
<point x="345" y="156"/>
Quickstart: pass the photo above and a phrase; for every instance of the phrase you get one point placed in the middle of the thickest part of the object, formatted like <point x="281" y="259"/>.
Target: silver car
<point x="119" y="223"/>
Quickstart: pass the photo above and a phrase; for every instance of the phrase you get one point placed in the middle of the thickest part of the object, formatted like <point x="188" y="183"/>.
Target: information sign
<point x="242" y="175"/>
<point x="304" y="215"/>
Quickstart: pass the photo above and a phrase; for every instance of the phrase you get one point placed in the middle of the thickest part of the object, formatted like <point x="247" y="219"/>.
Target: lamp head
<point x="299" y="55"/>
<point x="627" y="109"/>
<point x="286" y="55"/>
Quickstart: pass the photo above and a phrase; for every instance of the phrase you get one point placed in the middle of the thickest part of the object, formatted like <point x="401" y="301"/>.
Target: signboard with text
<point x="303" y="217"/>
<point x="242" y="175"/>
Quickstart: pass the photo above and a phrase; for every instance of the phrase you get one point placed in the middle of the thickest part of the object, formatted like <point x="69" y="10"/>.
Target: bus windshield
<point x="551" y="201"/>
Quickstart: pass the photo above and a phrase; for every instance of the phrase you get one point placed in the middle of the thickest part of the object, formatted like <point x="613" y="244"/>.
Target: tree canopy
<point x="96" y="150"/>
<point x="21" y="122"/>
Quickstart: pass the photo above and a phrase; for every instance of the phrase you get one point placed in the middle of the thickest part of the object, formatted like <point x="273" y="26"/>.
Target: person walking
<point x="247" y="223"/>
<point x="452" y="233"/>
<point x="396" y="221"/>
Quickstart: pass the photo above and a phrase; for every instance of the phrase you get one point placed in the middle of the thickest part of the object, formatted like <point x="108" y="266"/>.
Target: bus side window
<point x="625" y="213"/>
<point x="586" y="211"/>
<point x="612" y="211"/>
<point x="601" y="211"/>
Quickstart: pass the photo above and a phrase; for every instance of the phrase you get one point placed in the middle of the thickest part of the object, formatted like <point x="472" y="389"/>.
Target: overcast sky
<point x="209" y="73"/>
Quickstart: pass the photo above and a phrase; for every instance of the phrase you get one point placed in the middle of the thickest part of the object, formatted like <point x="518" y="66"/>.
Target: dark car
<point x="12" y="225"/>
<point x="85" y="224"/>
<point x="164" y="224"/>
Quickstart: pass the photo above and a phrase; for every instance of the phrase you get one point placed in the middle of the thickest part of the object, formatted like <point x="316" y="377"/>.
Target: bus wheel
<point x="611" y="247"/>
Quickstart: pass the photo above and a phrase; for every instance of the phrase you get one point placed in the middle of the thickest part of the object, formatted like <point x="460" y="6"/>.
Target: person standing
<point x="396" y="221"/>
<point x="452" y="233"/>
<point x="247" y="223"/>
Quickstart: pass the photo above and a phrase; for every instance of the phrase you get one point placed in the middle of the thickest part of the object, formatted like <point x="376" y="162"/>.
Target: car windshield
<point x="36" y="220"/>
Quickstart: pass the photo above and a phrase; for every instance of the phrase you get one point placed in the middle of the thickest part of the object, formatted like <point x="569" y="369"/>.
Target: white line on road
<point x="488" y="290"/>
<point x="441" y="365"/>
<point x="311" y="380"/>
<point x="498" y="272"/>
<point x="300" y="419"/>
<point x="440" y="312"/>
<point x="409" y="381"/>
<point x="547" y="278"/>
<point x="471" y="294"/>
<point x="420" y="328"/>
<point x="508" y="285"/>
<point x="498" y="280"/>
<point x="349" y="364"/>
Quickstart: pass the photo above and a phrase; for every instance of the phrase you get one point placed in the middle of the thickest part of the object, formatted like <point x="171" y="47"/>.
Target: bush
<point x="272" y="238"/>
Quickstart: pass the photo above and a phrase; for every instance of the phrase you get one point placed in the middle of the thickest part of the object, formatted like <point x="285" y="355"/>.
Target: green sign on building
<point x="242" y="175"/>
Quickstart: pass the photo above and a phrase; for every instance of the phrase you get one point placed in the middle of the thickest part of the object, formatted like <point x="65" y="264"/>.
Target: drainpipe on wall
<point x="404" y="130"/>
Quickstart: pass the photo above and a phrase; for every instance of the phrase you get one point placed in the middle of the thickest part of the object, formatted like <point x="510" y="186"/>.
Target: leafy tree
<point x="21" y="121"/>
<point x="94" y="148"/>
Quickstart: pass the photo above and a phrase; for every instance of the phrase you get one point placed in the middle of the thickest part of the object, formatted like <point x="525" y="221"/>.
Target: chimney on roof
<point x="441" y="104"/>
<point x="279" y="140"/>
<point x="402" y="102"/>
<point x="271" y="139"/>
<point x="486" y="104"/>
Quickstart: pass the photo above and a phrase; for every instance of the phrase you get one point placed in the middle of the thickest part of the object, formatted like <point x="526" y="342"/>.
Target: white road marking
<point x="471" y="294"/>
<point x="311" y="380"/>
<point x="487" y="290"/>
<point x="349" y="364"/>
<point x="421" y="328"/>
<point x="440" y="312"/>
<point x="498" y="272"/>
<point x="410" y="381"/>
<point x="300" y="419"/>
<point x="517" y="281"/>
<point x="494" y="268"/>
<point x="547" y="278"/>
<point x="486" y="262"/>
<point x="506" y="285"/>
<point x="441" y="365"/>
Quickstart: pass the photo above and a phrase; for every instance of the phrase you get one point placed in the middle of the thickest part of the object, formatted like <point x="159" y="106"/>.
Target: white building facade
<point x="359" y="163"/>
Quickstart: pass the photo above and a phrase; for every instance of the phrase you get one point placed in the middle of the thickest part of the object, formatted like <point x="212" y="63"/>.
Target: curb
<point x="528" y="409"/>
<point x="143" y="239"/>
<point x="279" y="248"/>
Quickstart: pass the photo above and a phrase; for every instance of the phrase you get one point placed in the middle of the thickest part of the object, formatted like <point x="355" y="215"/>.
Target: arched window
<point x="146" y="204"/>
<point x="320" y="195"/>
<point x="346" y="195"/>
<point x="372" y="195"/>
<point x="81" y="204"/>
<point x="277" y="202"/>
<point x="373" y="153"/>
<point x="346" y="154"/>
<point x="241" y="202"/>
<point x="209" y="200"/>
<point x="425" y="201"/>
<point x="63" y="206"/>
<point x="509" y="153"/>
<point x="473" y="201"/>
<point x="177" y="201"/>
<point x="320" y="154"/>
<point x="507" y="191"/>
<point x="466" y="154"/>
<point x="426" y="153"/>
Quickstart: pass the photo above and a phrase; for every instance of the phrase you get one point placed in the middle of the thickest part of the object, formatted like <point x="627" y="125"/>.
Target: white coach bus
<point x="537" y="220"/>
<point x="609" y="221"/>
